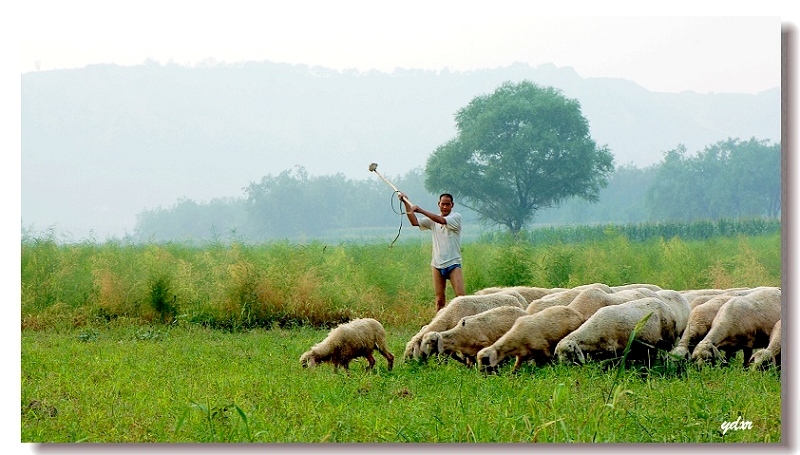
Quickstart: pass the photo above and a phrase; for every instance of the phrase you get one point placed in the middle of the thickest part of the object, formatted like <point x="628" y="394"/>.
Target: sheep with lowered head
<point x="680" y="308"/>
<point x="771" y="355"/>
<point x="743" y="323"/>
<point x="606" y="333"/>
<point x="532" y="337"/>
<point x="357" y="338"/>
<point x="464" y="305"/>
<point x="704" y="309"/>
<point x="471" y="334"/>
<point x="699" y="322"/>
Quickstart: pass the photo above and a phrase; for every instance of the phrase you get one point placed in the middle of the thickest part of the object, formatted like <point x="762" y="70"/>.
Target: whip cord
<point x="401" y="218"/>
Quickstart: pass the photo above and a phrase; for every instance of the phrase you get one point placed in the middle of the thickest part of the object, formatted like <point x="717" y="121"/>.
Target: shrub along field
<point x="172" y="343"/>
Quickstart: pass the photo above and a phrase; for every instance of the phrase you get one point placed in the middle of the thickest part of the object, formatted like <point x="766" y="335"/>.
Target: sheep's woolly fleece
<point x="471" y="334"/>
<point x="357" y="338"/>
<point x="743" y="323"/>
<point x="459" y="307"/>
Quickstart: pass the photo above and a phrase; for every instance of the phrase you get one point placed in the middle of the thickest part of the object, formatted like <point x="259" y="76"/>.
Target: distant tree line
<point x="730" y="179"/>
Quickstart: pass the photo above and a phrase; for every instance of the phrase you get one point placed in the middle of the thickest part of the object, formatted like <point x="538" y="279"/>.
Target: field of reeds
<point x="239" y="286"/>
<point x="177" y="343"/>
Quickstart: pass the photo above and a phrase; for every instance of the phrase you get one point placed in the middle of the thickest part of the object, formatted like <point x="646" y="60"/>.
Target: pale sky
<point x="730" y="49"/>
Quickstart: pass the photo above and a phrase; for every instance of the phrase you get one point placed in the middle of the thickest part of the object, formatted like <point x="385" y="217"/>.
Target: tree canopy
<point x="728" y="179"/>
<point x="517" y="150"/>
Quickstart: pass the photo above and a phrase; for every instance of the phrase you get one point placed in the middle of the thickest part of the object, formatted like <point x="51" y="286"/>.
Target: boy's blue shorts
<point x="445" y="272"/>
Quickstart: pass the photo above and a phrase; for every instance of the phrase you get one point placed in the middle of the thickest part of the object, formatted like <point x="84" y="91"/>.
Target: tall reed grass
<point x="241" y="286"/>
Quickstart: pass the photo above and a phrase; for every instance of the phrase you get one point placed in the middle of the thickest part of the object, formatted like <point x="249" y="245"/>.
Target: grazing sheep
<point x="465" y="305"/>
<point x="681" y="310"/>
<point x="588" y="301"/>
<point x="704" y="309"/>
<point x="771" y="355"/>
<point x="563" y="298"/>
<point x="530" y="293"/>
<point x="743" y="323"/>
<point x="532" y="337"/>
<point x="357" y="338"/>
<point x="699" y="322"/>
<point x="471" y="334"/>
<point x="606" y="333"/>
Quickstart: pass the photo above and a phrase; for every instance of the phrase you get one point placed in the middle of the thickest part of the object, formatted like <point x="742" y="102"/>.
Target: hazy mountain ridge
<point x="102" y="143"/>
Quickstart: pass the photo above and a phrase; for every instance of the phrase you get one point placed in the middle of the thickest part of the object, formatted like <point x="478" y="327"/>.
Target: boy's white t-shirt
<point x="446" y="240"/>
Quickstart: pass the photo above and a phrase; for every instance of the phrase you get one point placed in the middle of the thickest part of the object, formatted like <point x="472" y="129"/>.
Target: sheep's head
<point x="307" y="360"/>
<point x="412" y="349"/>
<point x="431" y="344"/>
<point x="568" y="351"/>
<point x="487" y="358"/>
<point x="681" y="352"/>
<point x="761" y="359"/>
<point x="705" y="352"/>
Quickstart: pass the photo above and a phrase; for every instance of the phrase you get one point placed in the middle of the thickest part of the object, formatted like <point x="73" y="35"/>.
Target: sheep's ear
<point x="579" y="354"/>
<point x="439" y="345"/>
<point x="493" y="358"/>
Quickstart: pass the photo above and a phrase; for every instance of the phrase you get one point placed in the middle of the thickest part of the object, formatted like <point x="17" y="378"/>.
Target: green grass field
<point x="189" y="384"/>
<point x="172" y="343"/>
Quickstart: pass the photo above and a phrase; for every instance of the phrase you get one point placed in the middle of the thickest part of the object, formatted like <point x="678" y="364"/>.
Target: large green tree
<point x="517" y="150"/>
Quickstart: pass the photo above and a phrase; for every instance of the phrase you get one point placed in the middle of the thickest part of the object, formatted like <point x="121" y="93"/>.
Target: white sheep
<point x="704" y="309"/>
<point x="699" y="322"/>
<point x="771" y="355"/>
<point x="530" y="293"/>
<point x="563" y="297"/>
<point x="606" y="333"/>
<point x="461" y="306"/>
<point x="532" y="337"/>
<point x="743" y="323"/>
<point x="357" y="338"/>
<point x="588" y="301"/>
<point x="681" y="310"/>
<point x="471" y="334"/>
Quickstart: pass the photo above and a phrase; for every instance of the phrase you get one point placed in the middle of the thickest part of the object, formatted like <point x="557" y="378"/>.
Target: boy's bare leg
<point x="439" y="284"/>
<point x="457" y="281"/>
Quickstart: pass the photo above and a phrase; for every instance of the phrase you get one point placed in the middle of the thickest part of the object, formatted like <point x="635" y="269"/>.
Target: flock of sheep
<point x="577" y="325"/>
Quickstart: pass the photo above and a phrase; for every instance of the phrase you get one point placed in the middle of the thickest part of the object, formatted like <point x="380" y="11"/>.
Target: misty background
<point x="109" y="152"/>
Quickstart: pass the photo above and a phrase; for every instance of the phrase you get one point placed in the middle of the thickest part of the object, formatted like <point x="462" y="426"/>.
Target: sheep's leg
<point x="747" y="353"/>
<point x="729" y="356"/>
<point x="384" y="350"/>
<point x="517" y="364"/>
<point x="371" y="360"/>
